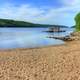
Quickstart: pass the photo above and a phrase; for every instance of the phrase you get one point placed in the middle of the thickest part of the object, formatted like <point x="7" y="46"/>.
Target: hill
<point x="14" y="23"/>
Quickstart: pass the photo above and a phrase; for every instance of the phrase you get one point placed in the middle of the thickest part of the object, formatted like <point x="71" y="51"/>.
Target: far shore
<point x="60" y="62"/>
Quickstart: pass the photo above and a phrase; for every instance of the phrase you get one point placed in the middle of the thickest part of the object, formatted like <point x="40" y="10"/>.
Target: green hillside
<point x="13" y="23"/>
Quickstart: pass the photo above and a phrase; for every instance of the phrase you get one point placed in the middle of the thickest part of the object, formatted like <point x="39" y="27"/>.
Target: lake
<point x="29" y="37"/>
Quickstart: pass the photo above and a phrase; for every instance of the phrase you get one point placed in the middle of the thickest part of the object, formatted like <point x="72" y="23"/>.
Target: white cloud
<point x="22" y="12"/>
<point x="70" y="2"/>
<point x="64" y="15"/>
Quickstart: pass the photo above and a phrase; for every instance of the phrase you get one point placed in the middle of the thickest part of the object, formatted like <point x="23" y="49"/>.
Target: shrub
<point x="77" y="20"/>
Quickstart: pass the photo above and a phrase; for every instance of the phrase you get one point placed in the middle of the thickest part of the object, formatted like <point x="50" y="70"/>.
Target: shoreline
<point x="60" y="62"/>
<point x="44" y="47"/>
<point x="34" y="47"/>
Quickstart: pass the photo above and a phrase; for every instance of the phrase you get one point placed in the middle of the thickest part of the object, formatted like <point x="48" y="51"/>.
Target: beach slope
<point x="47" y="63"/>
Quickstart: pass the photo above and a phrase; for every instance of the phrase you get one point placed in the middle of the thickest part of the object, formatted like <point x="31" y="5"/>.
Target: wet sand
<point x="47" y="63"/>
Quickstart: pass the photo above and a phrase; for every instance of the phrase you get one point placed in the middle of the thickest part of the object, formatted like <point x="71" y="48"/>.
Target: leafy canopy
<point x="77" y="19"/>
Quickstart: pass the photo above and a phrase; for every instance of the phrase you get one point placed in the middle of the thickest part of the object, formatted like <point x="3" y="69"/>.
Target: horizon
<point x="60" y="12"/>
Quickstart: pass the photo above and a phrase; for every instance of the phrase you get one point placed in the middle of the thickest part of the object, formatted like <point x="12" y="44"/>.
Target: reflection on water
<point x="27" y="37"/>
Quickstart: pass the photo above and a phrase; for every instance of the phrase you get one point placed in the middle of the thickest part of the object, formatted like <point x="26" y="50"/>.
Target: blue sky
<point x="41" y="11"/>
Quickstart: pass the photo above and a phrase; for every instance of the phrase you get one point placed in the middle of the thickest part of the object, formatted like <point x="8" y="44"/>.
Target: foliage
<point x="77" y="19"/>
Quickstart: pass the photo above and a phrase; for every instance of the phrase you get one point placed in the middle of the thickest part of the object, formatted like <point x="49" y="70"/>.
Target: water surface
<point x="28" y="37"/>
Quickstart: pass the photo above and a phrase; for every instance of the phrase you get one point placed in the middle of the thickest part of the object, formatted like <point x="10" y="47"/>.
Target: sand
<point x="46" y="63"/>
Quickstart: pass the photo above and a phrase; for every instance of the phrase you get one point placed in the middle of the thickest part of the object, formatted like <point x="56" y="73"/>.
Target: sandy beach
<point x="47" y="63"/>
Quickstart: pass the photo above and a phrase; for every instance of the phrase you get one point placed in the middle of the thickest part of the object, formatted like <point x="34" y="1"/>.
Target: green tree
<point x="77" y="20"/>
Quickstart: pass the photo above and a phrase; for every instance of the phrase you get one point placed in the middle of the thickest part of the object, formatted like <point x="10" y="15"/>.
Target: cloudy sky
<point x="41" y="11"/>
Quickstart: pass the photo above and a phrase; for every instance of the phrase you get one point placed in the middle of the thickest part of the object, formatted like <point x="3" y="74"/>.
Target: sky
<point x="60" y="12"/>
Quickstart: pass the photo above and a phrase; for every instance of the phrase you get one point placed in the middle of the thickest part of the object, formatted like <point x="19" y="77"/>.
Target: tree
<point x="77" y="19"/>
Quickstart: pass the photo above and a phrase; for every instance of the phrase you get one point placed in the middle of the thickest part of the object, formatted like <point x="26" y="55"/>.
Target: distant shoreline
<point x="15" y="23"/>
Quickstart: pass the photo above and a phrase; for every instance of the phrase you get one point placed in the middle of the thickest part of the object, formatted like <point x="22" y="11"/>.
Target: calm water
<point x="28" y="37"/>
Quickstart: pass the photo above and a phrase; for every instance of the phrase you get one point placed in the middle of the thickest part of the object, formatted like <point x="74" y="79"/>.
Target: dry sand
<point x="48" y="63"/>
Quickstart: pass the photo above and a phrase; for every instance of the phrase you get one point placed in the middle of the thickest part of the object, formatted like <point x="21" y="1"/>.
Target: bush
<point x="77" y="19"/>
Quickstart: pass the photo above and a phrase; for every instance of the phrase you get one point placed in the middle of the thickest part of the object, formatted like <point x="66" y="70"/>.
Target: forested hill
<point x="14" y="23"/>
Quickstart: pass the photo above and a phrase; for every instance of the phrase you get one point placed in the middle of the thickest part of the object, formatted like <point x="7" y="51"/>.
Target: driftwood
<point x="72" y="37"/>
<point x="66" y="38"/>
